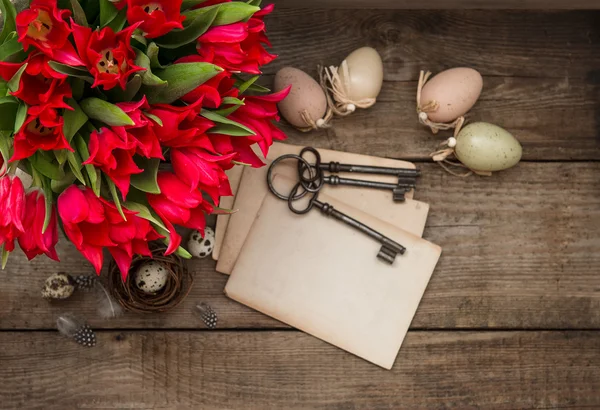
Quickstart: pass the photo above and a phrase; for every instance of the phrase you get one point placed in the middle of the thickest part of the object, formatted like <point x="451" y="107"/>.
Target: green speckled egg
<point x="483" y="146"/>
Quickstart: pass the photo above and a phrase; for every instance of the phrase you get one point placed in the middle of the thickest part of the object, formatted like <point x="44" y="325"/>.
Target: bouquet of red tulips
<point x="126" y="115"/>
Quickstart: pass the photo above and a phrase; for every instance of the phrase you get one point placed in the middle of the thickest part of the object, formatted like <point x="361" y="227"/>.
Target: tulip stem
<point x="12" y="168"/>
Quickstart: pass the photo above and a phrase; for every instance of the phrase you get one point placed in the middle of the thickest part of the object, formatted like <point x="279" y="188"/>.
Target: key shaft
<point x="336" y="167"/>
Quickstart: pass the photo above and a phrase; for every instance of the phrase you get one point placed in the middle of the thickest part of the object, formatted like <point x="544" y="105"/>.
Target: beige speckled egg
<point x="58" y="286"/>
<point x="306" y="94"/>
<point x="456" y="90"/>
<point x="365" y="74"/>
<point x="483" y="146"/>
<point x="151" y="277"/>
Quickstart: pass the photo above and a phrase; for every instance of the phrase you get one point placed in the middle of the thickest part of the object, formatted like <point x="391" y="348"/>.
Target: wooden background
<point x="511" y="318"/>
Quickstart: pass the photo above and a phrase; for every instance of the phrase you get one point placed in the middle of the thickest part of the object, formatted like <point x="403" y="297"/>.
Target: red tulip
<point x="42" y="129"/>
<point x="43" y="26"/>
<point x="32" y="241"/>
<point x="39" y="84"/>
<point x="114" y="156"/>
<point x="142" y="132"/>
<point x="238" y="46"/>
<point x="182" y="126"/>
<point x="108" y="55"/>
<point x="212" y="91"/>
<point x="157" y="17"/>
<point x="92" y="223"/>
<point x="177" y="204"/>
<point x="12" y="203"/>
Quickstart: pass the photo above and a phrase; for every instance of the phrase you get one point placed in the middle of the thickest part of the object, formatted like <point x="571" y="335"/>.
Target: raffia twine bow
<point x="311" y="124"/>
<point x="441" y="157"/>
<point x="433" y="106"/>
<point x="337" y="90"/>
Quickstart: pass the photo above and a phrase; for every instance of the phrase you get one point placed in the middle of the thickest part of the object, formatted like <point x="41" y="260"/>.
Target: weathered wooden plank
<point x="497" y="43"/>
<point x="441" y="4"/>
<point x="521" y="250"/>
<point x="291" y="370"/>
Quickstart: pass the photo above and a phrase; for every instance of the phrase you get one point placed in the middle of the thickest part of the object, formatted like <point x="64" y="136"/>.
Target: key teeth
<point x="398" y="194"/>
<point x="387" y="255"/>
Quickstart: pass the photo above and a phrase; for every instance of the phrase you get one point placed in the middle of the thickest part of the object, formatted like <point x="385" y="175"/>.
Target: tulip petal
<point x="72" y="205"/>
<point x="94" y="255"/>
<point x="122" y="259"/>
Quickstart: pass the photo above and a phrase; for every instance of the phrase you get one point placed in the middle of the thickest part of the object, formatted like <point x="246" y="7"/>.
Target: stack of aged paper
<point x="317" y="274"/>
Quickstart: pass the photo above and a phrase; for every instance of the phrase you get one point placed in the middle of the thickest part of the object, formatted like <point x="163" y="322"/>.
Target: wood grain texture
<point x="441" y="4"/>
<point x="290" y="370"/>
<point x="541" y="75"/>
<point x="521" y="250"/>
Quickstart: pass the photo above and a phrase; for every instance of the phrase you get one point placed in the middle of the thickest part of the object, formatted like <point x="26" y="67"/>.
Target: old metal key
<point x="389" y="248"/>
<point x="398" y="190"/>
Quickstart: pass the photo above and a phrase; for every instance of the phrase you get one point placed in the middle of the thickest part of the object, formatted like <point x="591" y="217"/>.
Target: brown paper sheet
<point x="322" y="276"/>
<point x="410" y="215"/>
<point x="235" y="175"/>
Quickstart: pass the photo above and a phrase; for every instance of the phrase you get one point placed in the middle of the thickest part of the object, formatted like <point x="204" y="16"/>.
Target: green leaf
<point x="181" y="251"/>
<point x="10" y="47"/>
<point x="115" y="196"/>
<point x="132" y="87"/>
<point x="78" y="13"/>
<point x="60" y="155"/>
<point x="13" y="84"/>
<point x="77" y="87"/>
<point x="178" y="38"/>
<point x="225" y="125"/>
<point x="154" y="118"/>
<point x="8" y="107"/>
<point x="5" y="145"/>
<point x="75" y="165"/>
<point x="246" y="84"/>
<point x="235" y="104"/>
<point x="119" y="20"/>
<point x="59" y="186"/>
<point x="232" y="100"/>
<point x="47" y="187"/>
<point x="139" y="37"/>
<point x="228" y="13"/>
<point x="144" y="211"/>
<point x="82" y="150"/>
<point x="152" y="53"/>
<point x="73" y="120"/>
<point x="254" y="2"/>
<point x="146" y="181"/>
<point x="71" y="71"/>
<point x="20" y="116"/>
<point x="5" y="255"/>
<point x="142" y="60"/>
<point x="182" y="79"/>
<point x="45" y="167"/>
<point x="188" y="4"/>
<point x="9" y="14"/>
<point x="97" y="184"/>
<point x="3" y="88"/>
<point x="107" y="12"/>
<point x="104" y="111"/>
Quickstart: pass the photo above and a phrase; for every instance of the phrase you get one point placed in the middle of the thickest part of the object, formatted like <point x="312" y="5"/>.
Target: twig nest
<point x="443" y="100"/>
<point x="305" y="107"/>
<point x="199" y="246"/>
<point x="58" y="286"/>
<point x="151" y="277"/>
<point x="150" y="296"/>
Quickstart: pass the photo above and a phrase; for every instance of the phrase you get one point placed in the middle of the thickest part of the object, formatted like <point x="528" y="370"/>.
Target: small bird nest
<point x="177" y="287"/>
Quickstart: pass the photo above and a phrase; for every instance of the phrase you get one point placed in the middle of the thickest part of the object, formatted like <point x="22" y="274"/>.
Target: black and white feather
<point x="208" y="315"/>
<point x="73" y="328"/>
<point x="107" y="306"/>
<point x="84" y="282"/>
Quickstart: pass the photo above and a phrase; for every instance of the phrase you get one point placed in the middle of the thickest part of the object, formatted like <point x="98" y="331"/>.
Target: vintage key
<point x="389" y="248"/>
<point x="398" y="190"/>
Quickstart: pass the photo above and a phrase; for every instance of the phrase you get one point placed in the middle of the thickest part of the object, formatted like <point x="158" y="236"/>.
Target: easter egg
<point x="364" y="75"/>
<point x="58" y="286"/>
<point x="455" y="90"/>
<point x="201" y="246"/>
<point x="305" y="95"/>
<point x="151" y="277"/>
<point x="483" y="146"/>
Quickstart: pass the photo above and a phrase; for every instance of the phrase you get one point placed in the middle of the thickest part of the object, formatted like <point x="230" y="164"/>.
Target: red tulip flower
<point x="43" y="26"/>
<point x="238" y="46"/>
<point x="142" y="132"/>
<point x="178" y="204"/>
<point x="32" y="241"/>
<point x="39" y="84"/>
<point x="114" y="156"/>
<point x="157" y="17"/>
<point x="42" y="129"/>
<point x="108" y="55"/>
<point x="212" y="91"/>
<point x="12" y="201"/>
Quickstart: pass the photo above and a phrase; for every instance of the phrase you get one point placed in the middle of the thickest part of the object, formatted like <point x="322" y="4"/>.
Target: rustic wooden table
<point x="511" y="318"/>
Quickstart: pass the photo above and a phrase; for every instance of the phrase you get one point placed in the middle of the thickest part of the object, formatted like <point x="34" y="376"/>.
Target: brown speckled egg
<point x="151" y="277"/>
<point x="306" y="94"/>
<point x="456" y="90"/>
<point x="58" y="286"/>
<point x="487" y="147"/>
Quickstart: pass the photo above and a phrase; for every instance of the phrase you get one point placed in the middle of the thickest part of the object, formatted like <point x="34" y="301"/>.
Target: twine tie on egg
<point x="336" y="90"/>
<point x="441" y="157"/>
<point x="432" y="106"/>
<point x="311" y="124"/>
